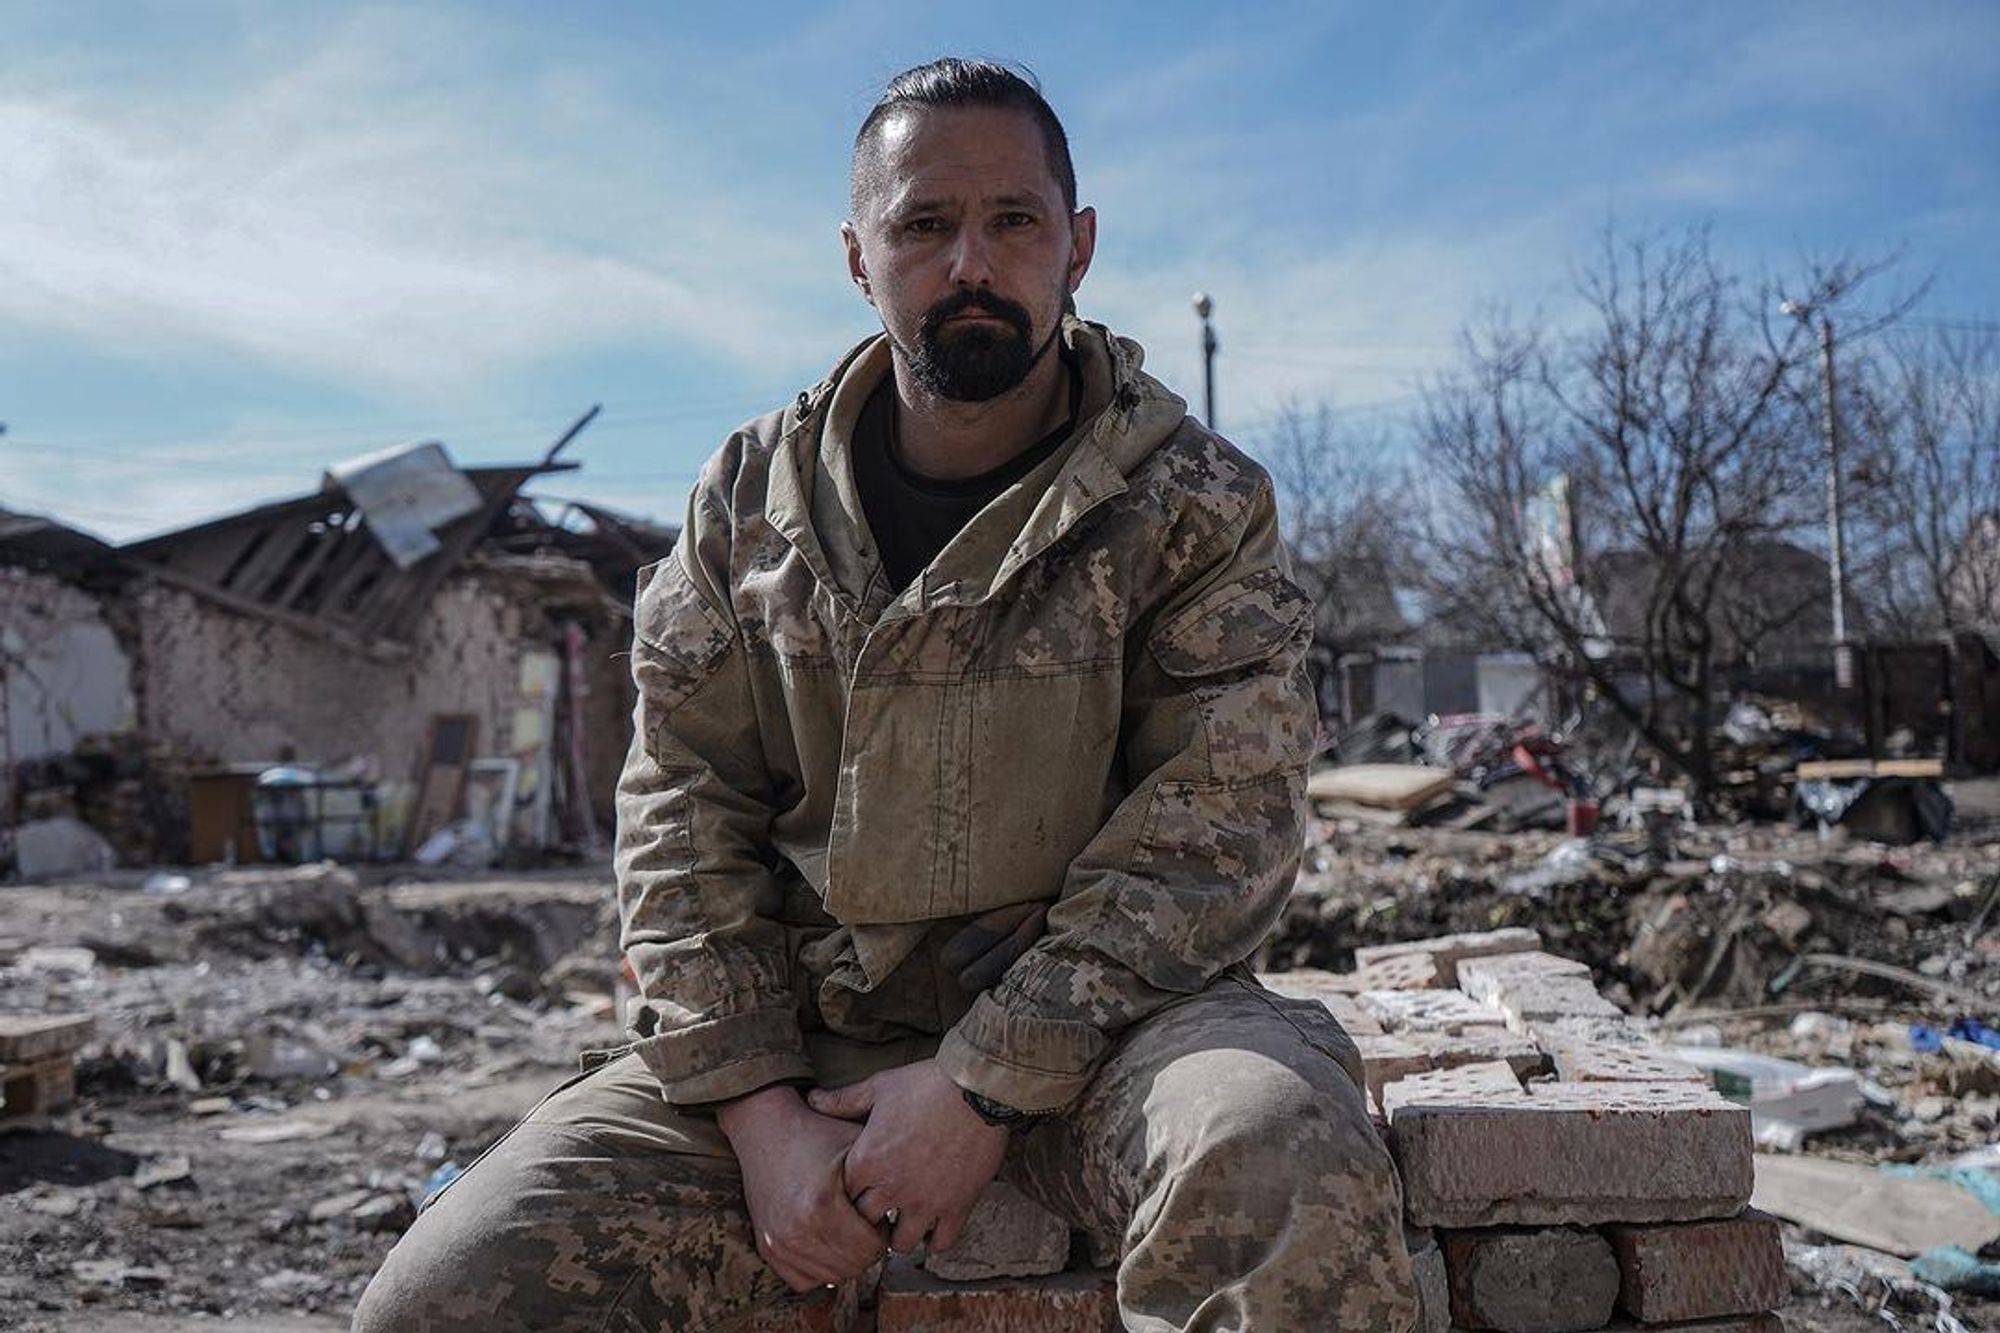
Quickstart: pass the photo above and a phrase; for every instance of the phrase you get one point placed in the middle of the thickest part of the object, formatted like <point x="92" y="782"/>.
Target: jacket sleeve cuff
<point x="726" y="1058"/>
<point x="988" y="1053"/>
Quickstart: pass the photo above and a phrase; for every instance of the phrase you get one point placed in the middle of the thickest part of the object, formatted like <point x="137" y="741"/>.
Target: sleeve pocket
<point x="1238" y="624"/>
<point x="684" y="637"/>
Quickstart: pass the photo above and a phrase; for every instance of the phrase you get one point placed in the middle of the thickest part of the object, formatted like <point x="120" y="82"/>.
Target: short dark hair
<point x="954" y="81"/>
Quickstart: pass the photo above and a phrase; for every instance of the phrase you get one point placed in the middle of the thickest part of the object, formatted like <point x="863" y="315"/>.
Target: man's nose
<point x="972" y="258"/>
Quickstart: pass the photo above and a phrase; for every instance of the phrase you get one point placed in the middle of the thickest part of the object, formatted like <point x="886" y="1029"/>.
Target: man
<point x="968" y="769"/>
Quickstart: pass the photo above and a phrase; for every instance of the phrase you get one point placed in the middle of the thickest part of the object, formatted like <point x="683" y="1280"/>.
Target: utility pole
<point x="1836" y="540"/>
<point x="1203" y="307"/>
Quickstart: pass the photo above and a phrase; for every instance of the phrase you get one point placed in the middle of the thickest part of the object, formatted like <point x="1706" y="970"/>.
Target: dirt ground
<point x="287" y="1060"/>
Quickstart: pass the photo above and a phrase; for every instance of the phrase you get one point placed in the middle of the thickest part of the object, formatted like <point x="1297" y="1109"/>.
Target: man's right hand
<point x="806" y="1227"/>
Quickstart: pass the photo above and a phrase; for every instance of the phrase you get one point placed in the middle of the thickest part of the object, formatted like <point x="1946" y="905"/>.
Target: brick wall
<point x="236" y="688"/>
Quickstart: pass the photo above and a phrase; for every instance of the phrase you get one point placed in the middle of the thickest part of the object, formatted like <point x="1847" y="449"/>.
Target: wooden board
<point x="1901" y="1215"/>
<point x="1837" y="769"/>
<point x="447" y="763"/>
<point x="1383" y="786"/>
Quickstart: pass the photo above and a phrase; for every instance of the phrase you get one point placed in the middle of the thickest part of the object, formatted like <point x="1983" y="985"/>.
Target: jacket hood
<point x="1125" y="416"/>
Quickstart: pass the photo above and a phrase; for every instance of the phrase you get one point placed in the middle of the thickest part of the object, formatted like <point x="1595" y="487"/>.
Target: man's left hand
<point x="922" y="1151"/>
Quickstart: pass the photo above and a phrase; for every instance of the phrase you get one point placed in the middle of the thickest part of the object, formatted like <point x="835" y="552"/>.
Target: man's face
<point x="966" y="247"/>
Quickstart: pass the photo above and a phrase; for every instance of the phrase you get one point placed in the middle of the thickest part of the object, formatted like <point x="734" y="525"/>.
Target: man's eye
<point x="924" y="226"/>
<point x="1017" y="219"/>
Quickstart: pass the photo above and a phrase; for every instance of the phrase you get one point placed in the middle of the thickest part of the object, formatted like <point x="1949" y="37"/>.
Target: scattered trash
<point x="162" y="1171"/>
<point x="1903" y="1215"/>
<point x="1787" y="1101"/>
<point x="437" y="1180"/>
<point x="277" y="1131"/>
<point x="1874" y="1282"/>
<point x="164" y="882"/>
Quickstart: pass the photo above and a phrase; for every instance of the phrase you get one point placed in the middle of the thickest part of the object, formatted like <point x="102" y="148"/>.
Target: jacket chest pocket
<point x="963" y="795"/>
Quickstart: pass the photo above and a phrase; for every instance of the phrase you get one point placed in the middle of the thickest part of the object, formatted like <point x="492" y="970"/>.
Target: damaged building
<point x="412" y="656"/>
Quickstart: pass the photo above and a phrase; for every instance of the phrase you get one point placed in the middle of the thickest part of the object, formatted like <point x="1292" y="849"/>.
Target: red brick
<point x="820" y="1312"/>
<point x="911" y="1301"/>
<point x="1576" y="1154"/>
<point x="1007" y="1235"/>
<point x="1447" y="951"/>
<point x="1548" y="1280"/>
<point x="1404" y="1012"/>
<point x="1580" y="1060"/>
<point x="1478" y="1046"/>
<point x="1405" y="971"/>
<point x="1699" y="1270"/>
<point x="1386" y="1059"/>
<point x="1478" y="1084"/>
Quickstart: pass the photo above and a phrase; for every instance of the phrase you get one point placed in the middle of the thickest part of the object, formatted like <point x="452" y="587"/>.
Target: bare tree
<point x="1603" y="494"/>
<point x="1346" y="514"/>
<point x="1926" y="415"/>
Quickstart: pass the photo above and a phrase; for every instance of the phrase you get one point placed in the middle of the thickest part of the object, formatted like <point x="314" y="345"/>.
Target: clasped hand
<point x="923" y="1154"/>
<point x="819" y="1188"/>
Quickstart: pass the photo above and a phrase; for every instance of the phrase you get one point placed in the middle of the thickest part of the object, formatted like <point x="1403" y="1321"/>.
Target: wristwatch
<point x="996" y="1113"/>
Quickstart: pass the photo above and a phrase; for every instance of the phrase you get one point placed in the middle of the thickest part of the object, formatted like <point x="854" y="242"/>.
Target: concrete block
<point x="1386" y="1059"/>
<point x="33" y="1037"/>
<point x="1447" y="951"/>
<point x="1700" y="1270"/>
<point x="1480" y="1085"/>
<point x="1007" y="1235"/>
<point x="1547" y="1280"/>
<point x="1408" y="1011"/>
<point x="1478" y="1046"/>
<point x="1579" y="1060"/>
<point x="1576" y="1154"/>
<point x="912" y="1301"/>
<point x="1408" y="971"/>
<point x="1480" y="978"/>
<point x="1433" y="1286"/>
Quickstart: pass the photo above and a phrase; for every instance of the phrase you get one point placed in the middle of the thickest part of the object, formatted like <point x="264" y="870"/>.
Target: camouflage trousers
<point x="1222" y="1150"/>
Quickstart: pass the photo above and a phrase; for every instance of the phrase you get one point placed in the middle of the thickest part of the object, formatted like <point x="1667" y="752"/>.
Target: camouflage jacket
<point x="1087" y="720"/>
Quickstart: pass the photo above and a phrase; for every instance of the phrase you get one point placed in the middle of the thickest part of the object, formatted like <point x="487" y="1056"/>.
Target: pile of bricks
<point x="38" y="1067"/>
<point x="1559" y="1172"/>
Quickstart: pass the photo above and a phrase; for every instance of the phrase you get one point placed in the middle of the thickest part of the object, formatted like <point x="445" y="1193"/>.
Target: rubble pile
<point x="1722" y="916"/>
<point x="283" y="1064"/>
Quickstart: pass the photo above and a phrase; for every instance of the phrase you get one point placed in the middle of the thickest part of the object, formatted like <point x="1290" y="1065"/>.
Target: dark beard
<point x="971" y="363"/>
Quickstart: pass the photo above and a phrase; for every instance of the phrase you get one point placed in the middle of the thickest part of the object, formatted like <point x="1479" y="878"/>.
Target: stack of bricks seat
<point x="1560" y="1173"/>
<point x="38" y="1067"/>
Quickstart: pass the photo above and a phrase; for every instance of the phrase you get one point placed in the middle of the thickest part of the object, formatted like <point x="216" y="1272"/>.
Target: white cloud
<point x="371" y="218"/>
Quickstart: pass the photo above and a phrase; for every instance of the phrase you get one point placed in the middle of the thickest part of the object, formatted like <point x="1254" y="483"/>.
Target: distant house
<point x="1774" y="606"/>
<point x="331" y="635"/>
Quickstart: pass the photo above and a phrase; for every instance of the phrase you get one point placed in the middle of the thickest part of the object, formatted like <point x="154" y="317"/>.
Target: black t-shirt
<point x="914" y="517"/>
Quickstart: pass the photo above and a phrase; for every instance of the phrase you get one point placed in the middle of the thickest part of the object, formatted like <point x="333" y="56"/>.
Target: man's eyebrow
<point x="905" y="207"/>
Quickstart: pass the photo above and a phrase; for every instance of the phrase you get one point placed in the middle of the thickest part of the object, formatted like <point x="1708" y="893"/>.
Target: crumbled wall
<point x="65" y="675"/>
<point x="238" y="688"/>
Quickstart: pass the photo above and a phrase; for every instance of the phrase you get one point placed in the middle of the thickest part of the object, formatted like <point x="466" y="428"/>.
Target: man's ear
<point x="1082" y="244"/>
<point x="857" y="268"/>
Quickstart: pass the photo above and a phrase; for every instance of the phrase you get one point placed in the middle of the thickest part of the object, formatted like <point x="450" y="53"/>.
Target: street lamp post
<point x="1836" y="544"/>
<point x="1204" y="307"/>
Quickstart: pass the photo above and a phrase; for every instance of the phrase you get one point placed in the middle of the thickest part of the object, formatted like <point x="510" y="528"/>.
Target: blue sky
<point x="241" y="240"/>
